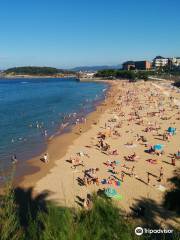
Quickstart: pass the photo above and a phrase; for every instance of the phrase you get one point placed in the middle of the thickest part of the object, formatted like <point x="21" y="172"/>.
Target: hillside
<point x="32" y="70"/>
<point x="94" y="68"/>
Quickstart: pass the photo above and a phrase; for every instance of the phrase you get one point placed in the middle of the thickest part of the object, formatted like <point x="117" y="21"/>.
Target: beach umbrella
<point x="171" y="130"/>
<point x="158" y="147"/>
<point x="110" y="192"/>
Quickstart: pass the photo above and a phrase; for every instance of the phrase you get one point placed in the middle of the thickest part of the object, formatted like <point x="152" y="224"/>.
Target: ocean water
<point x="32" y="110"/>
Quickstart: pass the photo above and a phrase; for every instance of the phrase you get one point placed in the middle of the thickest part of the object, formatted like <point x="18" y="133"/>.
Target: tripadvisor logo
<point x="139" y="231"/>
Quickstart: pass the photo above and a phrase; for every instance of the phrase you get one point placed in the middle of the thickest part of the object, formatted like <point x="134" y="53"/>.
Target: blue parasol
<point x="158" y="147"/>
<point x="171" y="130"/>
<point x="110" y="192"/>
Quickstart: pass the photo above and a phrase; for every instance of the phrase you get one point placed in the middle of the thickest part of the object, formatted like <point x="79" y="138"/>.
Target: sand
<point x="64" y="183"/>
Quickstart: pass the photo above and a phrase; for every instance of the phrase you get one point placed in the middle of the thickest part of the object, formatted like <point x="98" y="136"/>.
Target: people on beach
<point x="122" y="176"/>
<point x="132" y="171"/>
<point x="87" y="203"/>
<point x="161" y="174"/>
<point x="148" y="178"/>
<point x="173" y="161"/>
<point x="46" y="159"/>
<point x="14" y="158"/>
<point x="110" y="138"/>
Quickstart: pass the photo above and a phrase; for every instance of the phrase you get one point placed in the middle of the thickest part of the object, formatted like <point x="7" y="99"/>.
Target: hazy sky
<point x="67" y="33"/>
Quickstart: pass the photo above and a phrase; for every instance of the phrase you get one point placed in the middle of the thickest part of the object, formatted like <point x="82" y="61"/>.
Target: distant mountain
<point x="93" y="68"/>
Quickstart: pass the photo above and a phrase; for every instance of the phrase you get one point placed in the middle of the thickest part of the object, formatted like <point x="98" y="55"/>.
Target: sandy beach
<point x="133" y="118"/>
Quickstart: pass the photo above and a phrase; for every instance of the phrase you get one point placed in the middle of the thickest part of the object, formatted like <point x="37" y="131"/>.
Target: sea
<point x="34" y="110"/>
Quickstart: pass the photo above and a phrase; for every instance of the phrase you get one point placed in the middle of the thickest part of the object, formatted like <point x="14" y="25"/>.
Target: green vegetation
<point x="23" y="217"/>
<point x="40" y="71"/>
<point x="124" y="74"/>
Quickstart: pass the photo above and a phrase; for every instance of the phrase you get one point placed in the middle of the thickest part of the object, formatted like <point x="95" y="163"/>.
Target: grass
<point x="23" y="217"/>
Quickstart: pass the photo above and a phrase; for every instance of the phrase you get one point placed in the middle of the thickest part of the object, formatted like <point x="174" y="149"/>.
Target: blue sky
<point x="68" y="33"/>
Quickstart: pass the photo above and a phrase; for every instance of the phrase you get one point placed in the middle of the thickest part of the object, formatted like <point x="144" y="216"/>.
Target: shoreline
<point x="37" y="169"/>
<point x="34" y="76"/>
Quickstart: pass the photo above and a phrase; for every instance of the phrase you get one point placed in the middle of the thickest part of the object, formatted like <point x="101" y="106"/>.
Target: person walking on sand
<point x="148" y="179"/>
<point x="161" y="174"/>
<point x="132" y="171"/>
<point x="46" y="160"/>
<point x="173" y="161"/>
<point x="122" y="176"/>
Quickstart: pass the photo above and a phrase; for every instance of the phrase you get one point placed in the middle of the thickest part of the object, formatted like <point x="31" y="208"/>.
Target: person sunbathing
<point x="126" y="167"/>
<point x="76" y="161"/>
<point x="82" y="154"/>
<point x="101" y="135"/>
<point x="150" y="150"/>
<point x="92" y="174"/>
<point x="177" y="155"/>
<point x="141" y="138"/>
<point x="132" y="157"/>
<point x="105" y="147"/>
<point x="119" y="125"/>
<point x="152" y="161"/>
<point x="116" y="133"/>
<point x="113" y="152"/>
<point x="110" y="180"/>
<point x="129" y="143"/>
<point x="87" y="203"/>
<point x="159" y="153"/>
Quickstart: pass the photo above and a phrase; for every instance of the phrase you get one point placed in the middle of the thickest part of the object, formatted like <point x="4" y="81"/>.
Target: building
<point x="143" y="65"/>
<point x="129" y="65"/>
<point x="174" y="62"/>
<point x="86" y="74"/>
<point x="137" y="65"/>
<point x="160" y="61"/>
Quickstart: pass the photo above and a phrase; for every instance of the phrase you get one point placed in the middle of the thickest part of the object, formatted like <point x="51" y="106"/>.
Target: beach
<point x="132" y="119"/>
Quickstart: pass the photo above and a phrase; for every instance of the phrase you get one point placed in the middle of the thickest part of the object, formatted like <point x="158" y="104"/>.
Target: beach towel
<point x="161" y="188"/>
<point x="118" y="197"/>
<point x="110" y="192"/>
<point x="117" y="183"/>
<point x="117" y="162"/>
<point x="131" y="146"/>
<point x="104" y="181"/>
<point x="158" y="147"/>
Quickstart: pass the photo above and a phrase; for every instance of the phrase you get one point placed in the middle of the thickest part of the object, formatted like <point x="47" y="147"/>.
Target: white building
<point x="87" y="74"/>
<point x="160" y="62"/>
<point x="175" y="61"/>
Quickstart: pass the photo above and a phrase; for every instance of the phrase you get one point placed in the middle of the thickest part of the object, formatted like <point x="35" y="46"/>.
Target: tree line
<point x="124" y="74"/>
<point x="30" y="70"/>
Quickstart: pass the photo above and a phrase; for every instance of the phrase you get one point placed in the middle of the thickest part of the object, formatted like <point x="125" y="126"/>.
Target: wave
<point x="23" y="82"/>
